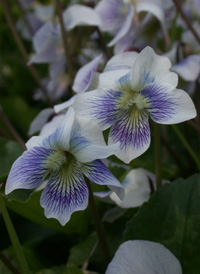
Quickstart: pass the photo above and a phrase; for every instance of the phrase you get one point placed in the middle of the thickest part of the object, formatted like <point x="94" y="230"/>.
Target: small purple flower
<point x="126" y="98"/>
<point x="63" y="158"/>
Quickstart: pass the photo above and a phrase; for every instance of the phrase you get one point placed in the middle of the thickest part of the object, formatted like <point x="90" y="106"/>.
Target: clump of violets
<point x="63" y="158"/>
<point x="125" y="99"/>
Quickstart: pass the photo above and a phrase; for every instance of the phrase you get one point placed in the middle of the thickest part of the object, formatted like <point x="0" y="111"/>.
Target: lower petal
<point x="98" y="173"/>
<point x="132" y="131"/>
<point x="65" y="193"/>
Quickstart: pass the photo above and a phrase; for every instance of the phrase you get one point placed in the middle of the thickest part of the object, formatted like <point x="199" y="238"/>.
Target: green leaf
<point x="80" y="252"/>
<point x="71" y="269"/>
<point x="9" y="152"/>
<point x="172" y="217"/>
<point x="32" y="210"/>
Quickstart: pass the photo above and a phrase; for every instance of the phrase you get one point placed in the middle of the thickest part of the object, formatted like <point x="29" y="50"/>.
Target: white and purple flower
<point x="126" y="98"/>
<point x="63" y="158"/>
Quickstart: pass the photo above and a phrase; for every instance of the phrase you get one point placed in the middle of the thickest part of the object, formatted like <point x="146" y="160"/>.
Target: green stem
<point x="186" y="145"/>
<point x="158" y="164"/>
<point x="65" y="41"/>
<point x="97" y="223"/>
<point x="8" y="263"/>
<point x="14" y="239"/>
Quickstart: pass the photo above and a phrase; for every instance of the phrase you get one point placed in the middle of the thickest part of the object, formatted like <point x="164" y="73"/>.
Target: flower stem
<point x="103" y="43"/>
<point x="8" y="263"/>
<point x="158" y="163"/>
<point x="187" y="21"/>
<point x="14" y="239"/>
<point x="186" y="145"/>
<point x="97" y="223"/>
<point x="65" y="41"/>
<point x="22" y="49"/>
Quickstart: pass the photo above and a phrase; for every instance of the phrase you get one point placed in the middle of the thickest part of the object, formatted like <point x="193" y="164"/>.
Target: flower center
<point x="56" y="160"/>
<point x="140" y="101"/>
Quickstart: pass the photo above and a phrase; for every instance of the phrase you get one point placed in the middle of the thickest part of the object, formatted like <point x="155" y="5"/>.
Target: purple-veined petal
<point x="137" y="189"/>
<point x="153" y="6"/>
<point x="151" y="68"/>
<point x="87" y="141"/>
<point x="79" y="15"/>
<point x="112" y="14"/>
<point x="98" y="105"/>
<point x="84" y="75"/>
<point x="141" y="257"/>
<point x="60" y="138"/>
<point x="65" y="193"/>
<point x="98" y="173"/>
<point x="166" y="105"/>
<point x="131" y="129"/>
<point x="125" y="28"/>
<point x="120" y="61"/>
<point x="40" y="120"/>
<point x="189" y="68"/>
<point x="29" y="170"/>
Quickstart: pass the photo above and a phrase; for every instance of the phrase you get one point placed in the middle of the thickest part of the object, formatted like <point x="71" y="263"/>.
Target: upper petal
<point x="98" y="173"/>
<point x="87" y="141"/>
<point x="65" y="193"/>
<point x="84" y="75"/>
<point x="152" y="68"/>
<point x="139" y="257"/>
<point x="79" y="15"/>
<point x="60" y="138"/>
<point x="29" y="170"/>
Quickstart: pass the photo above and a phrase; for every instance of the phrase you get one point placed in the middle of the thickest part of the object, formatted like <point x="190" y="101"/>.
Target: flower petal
<point x="189" y="68"/>
<point x="64" y="106"/>
<point x="98" y="173"/>
<point x="29" y="170"/>
<point x="87" y="142"/>
<point x="84" y="75"/>
<point x="124" y="28"/>
<point x="79" y="15"/>
<point x="108" y="79"/>
<point x="60" y="138"/>
<point x="131" y="129"/>
<point x="112" y="14"/>
<point x="120" y="61"/>
<point x="40" y="120"/>
<point x="139" y="257"/>
<point x="151" y="68"/>
<point x="166" y="105"/>
<point x="137" y="189"/>
<point x="98" y="105"/>
<point x="49" y="127"/>
<point x="153" y="6"/>
<point x="65" y="193"/>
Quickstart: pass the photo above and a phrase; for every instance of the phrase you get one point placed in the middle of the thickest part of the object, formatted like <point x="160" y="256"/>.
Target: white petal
<point x="60" y="138"/>
<point x="79" y="15"/>
<point x="189" y="68"/>
<point x="153" y="6"/>
<point x="40" y="120"/>
<point x="137" y="189"/>
<point x="50" y="127"/>
<point x="120" y="61"/>
<point x="152" y="68"/>
<point x="125" y="28"/>
<point x="108" y="79"/>
<point x="142" y="257"/>
<point x="84" y="75"/>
